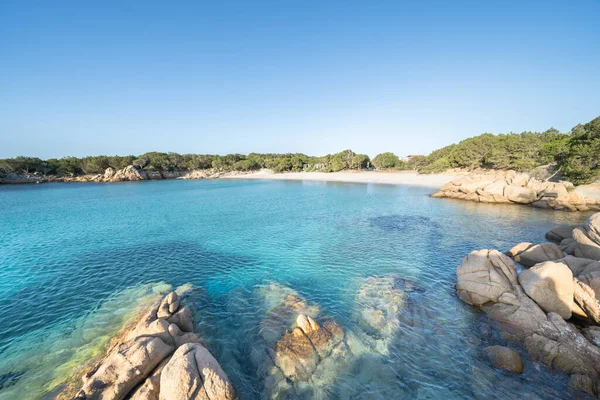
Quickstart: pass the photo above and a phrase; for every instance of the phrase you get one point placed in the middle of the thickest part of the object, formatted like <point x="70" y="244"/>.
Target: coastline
<point x="381" y="177"/>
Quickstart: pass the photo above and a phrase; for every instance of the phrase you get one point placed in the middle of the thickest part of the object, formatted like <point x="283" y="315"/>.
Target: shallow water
<point x="75" y="258"/>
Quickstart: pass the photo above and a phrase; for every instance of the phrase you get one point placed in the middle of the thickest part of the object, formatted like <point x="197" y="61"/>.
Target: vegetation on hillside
<point x="576" y="154"/>
<point x="71" y="166"/>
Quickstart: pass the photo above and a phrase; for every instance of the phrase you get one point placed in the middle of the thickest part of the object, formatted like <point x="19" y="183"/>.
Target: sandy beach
<point x="392" y="178"/>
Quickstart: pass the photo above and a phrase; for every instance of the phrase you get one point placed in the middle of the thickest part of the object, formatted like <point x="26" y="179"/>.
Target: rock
<point x="586" y="299"/>
<point x="134" y="366"/>
<point x="488" y="279"/>
<point x="587" y="237"/>
<point x="496" y="188"/>
<point x="168" y="306"/>
<point x="150" y="389"/>
<point x="592" y="334"/>
<point x="193" y="373"/>
<point x="471" y="187"/>
<point x="183" y="319"/>
<point x="298" y="352"/>
<point x="504" y="358"/>
<point x="125" y="368"/>
<point x="108" y="173"/>
<point x="560" y="233"/>
<point x="541" y="204"/>
<point x="550" y="285"/>
<point x="520" y="180"/>
<point x="583" y="383"/>
<point x="153" y="175"/>
<point x="568" y="246"/>
<point x="438" y="195"/>
<point x="538" y="253"/>
<point x="482" y="277"/>
<point x="519" y="194"/>
<point x="518" y="249"/>
<point x="129" y="173"/>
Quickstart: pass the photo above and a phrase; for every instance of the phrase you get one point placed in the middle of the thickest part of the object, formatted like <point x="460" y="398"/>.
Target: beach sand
<point x="393" y="178"/>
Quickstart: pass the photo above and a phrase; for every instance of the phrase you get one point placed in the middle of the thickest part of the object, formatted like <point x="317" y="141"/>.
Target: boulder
<point x="583" y="383"/>
<point x="150" y="389"/>
<point x="482" y="277"/>
<point x="559" y="233"/>
<point x="488" y="280"/>
<point x="568" y="246"/>
<point x="125" y="368"/>
<point x="108" y="173"/>
<point x="550" y="285"/>
<point x="299" y="351"/>
<point x="183" y="319"/>
<point x="518" y="194"/>
<point x="193" y="373"/>
<point x="520" y="180"/>
<point x="518" y="249"/>
<point x="587" y="237"/>
<point x="537" y="254"/>
<point x="496" y="187"/>
<point x="504" y="358"/>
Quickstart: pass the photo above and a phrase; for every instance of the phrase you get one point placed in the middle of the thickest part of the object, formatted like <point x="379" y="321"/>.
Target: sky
<point x="314" y="76"/>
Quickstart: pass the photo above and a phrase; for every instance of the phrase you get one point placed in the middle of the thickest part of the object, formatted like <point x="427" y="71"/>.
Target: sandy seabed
<point x="393" y="178"/>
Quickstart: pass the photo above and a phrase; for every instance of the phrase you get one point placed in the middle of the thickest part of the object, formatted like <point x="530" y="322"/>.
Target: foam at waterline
<point x="46" y="359"/>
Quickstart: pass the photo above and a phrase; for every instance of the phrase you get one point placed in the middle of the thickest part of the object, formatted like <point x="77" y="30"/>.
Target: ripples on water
<point x="75" y="259"/>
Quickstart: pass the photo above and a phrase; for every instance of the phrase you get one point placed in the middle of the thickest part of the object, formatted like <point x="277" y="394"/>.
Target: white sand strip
<point x="393" y="178"/>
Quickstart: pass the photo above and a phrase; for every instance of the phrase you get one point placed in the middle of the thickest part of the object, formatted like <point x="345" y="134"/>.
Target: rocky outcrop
<point x="517" y="188"/>
<point x="159" y="357"/>
<point x="127" y="174"/>
<point x="488" y="280"/>
<point x="584" y="241"/>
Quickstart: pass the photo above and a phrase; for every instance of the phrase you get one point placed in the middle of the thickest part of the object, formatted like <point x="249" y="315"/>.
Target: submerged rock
<point x="504" y="358"/>
<point x="304" y="354"/>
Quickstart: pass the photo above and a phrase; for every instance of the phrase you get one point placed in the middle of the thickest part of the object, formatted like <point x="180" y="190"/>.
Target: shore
<point x="393" y="178"/>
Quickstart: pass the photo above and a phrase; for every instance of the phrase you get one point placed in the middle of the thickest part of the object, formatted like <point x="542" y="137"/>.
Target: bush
<point x="387" y="161"/>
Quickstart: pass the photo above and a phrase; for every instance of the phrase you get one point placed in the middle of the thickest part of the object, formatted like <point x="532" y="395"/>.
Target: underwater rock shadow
<point x="404" y="223"/>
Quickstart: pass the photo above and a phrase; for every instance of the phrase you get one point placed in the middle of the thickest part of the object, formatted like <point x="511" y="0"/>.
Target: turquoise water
<point x="75" y="258"/>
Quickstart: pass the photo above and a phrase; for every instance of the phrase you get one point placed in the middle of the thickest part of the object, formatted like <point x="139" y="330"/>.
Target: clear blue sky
<point x="102" y="77"/>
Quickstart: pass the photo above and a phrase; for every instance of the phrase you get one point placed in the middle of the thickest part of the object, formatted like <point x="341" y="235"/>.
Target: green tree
<point x="386" y="161"/>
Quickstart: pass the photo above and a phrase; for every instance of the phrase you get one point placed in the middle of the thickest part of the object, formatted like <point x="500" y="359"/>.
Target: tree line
<point x="72" y="166"/>
<point x="576" y="154"/>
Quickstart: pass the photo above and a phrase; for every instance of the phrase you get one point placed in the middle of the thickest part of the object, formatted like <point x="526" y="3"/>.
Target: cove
<point x="75" y="259"/>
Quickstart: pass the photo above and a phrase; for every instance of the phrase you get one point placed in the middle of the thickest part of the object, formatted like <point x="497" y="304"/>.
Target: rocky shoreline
<point x="510" y="187"/>
<point x="127" y="174"/>
<point x="157" y="357"/>
<point x="299" y="351"/>
<point x="550" y="307"/>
